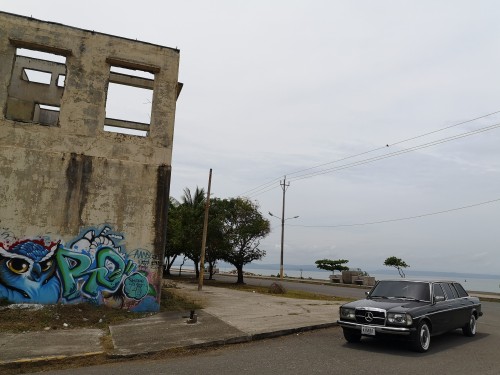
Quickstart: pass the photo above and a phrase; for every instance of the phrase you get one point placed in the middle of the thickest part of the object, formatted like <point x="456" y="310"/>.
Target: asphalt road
<point x="326" y="352"/>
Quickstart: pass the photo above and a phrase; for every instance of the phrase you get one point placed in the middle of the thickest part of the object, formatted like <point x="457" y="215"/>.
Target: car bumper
<point x="400" y="331"/>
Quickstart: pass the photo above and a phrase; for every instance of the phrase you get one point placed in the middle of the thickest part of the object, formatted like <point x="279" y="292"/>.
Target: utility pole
<point x="204" y="238"/>
<point x="284" y="187"/>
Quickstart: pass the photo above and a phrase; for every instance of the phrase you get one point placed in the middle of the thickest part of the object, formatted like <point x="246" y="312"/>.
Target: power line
<point x="261" y="189"/>
<point x="263" y="186"/>
<point x="396" y="153"/>
<point x="270" y="187"/>
<point x="396" y="143"/>
<point x="399" y="219"/>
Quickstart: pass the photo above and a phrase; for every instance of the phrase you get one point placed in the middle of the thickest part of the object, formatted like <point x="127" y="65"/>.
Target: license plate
<point x="365" y="330"/>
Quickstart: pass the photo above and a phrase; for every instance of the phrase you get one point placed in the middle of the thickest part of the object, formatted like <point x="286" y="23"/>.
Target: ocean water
<point x="491" y="285"/>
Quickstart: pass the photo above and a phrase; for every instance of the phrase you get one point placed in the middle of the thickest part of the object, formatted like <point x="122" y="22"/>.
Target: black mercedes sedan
<point x="415" y="310"/>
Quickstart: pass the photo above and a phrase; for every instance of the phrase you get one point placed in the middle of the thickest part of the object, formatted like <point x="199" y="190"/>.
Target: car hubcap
<point x="425" y="337"/>
<point x="473" y="324"/>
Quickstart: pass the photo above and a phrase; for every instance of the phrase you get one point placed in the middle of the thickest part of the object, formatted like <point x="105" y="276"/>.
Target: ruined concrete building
<point x="84" y="175"/>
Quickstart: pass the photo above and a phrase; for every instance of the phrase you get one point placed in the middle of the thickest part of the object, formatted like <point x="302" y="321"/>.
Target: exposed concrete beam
<point x="124" y="79"/>
<point x="132" y="65"/>
<point x="126" y="124"/>
<point x="40" y="47"/>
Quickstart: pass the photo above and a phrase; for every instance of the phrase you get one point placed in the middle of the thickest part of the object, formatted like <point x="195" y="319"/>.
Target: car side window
<point x="438" y="291"/>
<point x="449" y="291"/>
<point x="460" y="290"/>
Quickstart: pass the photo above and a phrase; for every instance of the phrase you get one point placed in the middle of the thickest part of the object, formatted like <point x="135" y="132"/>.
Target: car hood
<point x="386" y="304"/>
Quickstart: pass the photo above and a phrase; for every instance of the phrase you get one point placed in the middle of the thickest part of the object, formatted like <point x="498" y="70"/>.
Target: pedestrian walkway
<point x="229" y="316"/>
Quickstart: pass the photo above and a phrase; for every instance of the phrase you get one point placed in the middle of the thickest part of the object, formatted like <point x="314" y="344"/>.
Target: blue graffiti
<point x="92" y="268"/>
<point x="27" y="270"/>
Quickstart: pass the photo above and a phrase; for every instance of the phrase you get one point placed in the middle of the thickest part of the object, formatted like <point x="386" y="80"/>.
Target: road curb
<point x="291" y="331"/>
<point x="207" y="344"/>
<point x="48" y="360"/>
<point x="221" y="342"/>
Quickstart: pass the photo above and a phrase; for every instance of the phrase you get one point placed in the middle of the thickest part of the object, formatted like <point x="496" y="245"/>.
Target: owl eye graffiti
<point x="27" y="270"/>
<point x="45" y="266"/>
<point x="18" y="266"/>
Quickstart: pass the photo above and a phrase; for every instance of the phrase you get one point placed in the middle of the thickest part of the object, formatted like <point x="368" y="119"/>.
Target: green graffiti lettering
<point x="108" y="272"/>
<point x="72" y="266"/>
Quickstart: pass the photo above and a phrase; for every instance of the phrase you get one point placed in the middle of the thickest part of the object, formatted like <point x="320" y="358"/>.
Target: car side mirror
<point x="367" y="294"/>
<point x="438" y="299"/>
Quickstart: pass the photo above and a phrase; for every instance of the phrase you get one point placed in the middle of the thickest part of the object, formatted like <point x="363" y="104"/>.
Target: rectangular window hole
<point x="117" y="129"/>
<point x="37" y="76"/>
<point x="129" y="101"/>
<point x="41" y="55"/>
<point x="46" y="114"/>
<point x="34" y="94"/>
<point x="49" y="107"/>
<point x="61" y="80"/>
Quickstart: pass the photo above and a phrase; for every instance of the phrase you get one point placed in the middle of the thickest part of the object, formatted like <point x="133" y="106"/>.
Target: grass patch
<point x="297" y="294"/>
<point x="171" y="301"/>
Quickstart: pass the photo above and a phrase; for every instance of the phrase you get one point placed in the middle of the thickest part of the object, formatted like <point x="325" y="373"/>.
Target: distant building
<point x="83" y="204"/>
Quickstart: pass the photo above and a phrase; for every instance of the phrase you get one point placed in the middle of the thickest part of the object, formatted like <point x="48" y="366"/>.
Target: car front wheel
<point x="423" y="338"/>
<point x="352" y="336"/>
<point x="470" y="328"/>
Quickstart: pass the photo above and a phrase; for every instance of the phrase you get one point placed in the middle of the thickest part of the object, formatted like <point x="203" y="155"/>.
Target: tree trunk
<point x="168" y="266"/>
<point x="240" y="275"/>
<point x="210" y="271"/>
<point x="180" y="267"/>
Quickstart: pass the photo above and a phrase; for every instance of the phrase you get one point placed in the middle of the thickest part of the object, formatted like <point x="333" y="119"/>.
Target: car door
<point x="440" y="310"/>
<point x="465" y="304"/>
<point x="456" y="309"/>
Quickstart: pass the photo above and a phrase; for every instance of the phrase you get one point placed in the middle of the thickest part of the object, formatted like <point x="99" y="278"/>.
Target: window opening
<point x="129" y="101"/>
<point x="36" y="76"/>
<point x="46" y="114"/>
<point x="35" y="89"/>
<point x="438" y="291"/>
<point x="61" y="80"/>
<point x="460" y="290"/>
<point x="41" y="55"/>
<point x="450" y="293"/>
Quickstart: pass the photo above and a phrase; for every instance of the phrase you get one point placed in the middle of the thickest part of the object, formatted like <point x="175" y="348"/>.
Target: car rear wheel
<point x="423" y="338"/>
<point x="470" y="328"/>
<point x="352" y="336"/>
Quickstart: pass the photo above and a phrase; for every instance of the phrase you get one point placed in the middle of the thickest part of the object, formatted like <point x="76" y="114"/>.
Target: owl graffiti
<point x="28" y="272"/>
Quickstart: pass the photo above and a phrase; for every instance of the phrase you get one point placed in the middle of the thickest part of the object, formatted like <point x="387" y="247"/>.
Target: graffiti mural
<point x="93" y="268"/>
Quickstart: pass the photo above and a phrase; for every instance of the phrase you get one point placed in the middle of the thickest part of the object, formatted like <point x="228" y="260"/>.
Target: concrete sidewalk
<point x="229" y="316"/>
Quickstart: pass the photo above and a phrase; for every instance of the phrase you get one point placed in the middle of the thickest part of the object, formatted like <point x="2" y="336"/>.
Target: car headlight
<point x="399" y="318"/>
<point x="347" y="313"/>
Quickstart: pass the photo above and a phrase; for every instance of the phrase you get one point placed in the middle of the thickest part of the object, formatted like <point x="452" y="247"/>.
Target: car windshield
<point x="401" y="289"/>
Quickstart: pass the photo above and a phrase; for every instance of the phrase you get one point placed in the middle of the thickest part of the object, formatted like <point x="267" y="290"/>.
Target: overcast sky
<point x="276" y="87"/>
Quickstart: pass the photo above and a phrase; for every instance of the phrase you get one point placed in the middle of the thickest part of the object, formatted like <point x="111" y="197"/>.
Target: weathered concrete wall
<point x="82" y="210"/>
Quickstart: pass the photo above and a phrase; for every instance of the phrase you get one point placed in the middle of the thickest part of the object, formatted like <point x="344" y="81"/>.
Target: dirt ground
<point x="34" y="317"/>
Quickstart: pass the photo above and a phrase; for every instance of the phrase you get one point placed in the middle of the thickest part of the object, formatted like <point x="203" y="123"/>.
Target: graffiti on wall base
<point x="94" y="268"/>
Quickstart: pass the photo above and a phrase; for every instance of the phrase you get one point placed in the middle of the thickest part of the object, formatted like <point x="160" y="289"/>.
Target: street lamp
<point x="282" y="236"/>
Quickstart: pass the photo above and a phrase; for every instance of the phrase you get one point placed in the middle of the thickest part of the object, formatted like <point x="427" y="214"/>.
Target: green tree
<point x="243" y="228"/>
<point x="332" y="265"/>
<point x="397" y="263"/>
<point x="217" y="245"/>
<point x="173" y="247"/>
<point x="192" y="211"/>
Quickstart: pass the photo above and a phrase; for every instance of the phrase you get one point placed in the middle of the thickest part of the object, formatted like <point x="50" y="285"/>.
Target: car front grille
<point x="372" y="317"/>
